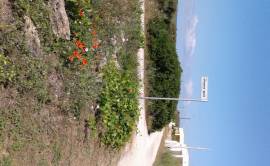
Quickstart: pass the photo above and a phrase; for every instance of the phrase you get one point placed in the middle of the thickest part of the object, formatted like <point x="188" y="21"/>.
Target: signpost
<point x="204" y="94"/>
<point x="204" y="88"/>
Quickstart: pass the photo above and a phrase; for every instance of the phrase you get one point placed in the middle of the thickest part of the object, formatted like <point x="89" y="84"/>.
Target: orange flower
<point x="81" y="12"/>
<point x="80" y="44"/>
<point x="77" y="54"/>
<point x="84" y="61"/>
<point x="71" y="58"/>
<point x="95" y="46"/>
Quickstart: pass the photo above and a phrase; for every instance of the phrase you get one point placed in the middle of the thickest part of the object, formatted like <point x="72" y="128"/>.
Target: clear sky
<point x="228" y="40"/>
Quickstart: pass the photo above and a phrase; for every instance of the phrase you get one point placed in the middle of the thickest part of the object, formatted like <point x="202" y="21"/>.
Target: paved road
<point x="143" y="149"/>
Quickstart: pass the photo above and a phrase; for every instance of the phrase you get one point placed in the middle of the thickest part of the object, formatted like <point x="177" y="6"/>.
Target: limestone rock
<point x="59" y="19"/>
<point x="5" y="13"/>
<point x="31" y="37"/>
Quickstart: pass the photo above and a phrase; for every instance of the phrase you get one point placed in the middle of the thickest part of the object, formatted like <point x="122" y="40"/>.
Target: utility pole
<point x="173" y="99"/>
<point x="196" y="148"/>
<point x="185" y="118"/>
<point x="177" y="149"/>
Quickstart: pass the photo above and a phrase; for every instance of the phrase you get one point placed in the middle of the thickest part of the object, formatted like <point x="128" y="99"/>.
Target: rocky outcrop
<point x="5" y="13"/>
<point x="59" y="19"/>
<point x="31" y="37"/>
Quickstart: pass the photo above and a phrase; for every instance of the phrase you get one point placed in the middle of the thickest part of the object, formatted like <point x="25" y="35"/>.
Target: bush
<point x="7" y="70"/>
<point x="31" y="78"/>
<point x="164" y="78"/>
<point x="118" y="106"/>
<point x="80" y="88"/>
<point x="168" y="7"/>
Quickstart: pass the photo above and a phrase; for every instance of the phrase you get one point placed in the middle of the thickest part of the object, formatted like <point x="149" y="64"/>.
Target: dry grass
<point x="49" y="138"/>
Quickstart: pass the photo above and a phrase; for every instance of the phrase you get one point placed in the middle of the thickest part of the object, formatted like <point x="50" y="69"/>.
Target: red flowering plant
<point x="84" y="35"/>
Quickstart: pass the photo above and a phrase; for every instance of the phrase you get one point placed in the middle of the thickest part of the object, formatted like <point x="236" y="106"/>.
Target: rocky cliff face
<point x="59" y="23"/>
<point x="59" y="19"/>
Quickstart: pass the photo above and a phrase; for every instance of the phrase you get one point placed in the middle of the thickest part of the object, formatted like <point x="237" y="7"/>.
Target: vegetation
<point x="165" y="71"/>
<point x="6" y="161"/>
<point x="7" y="70"/>
<point x="56" y="154"/>
<point x="43" y="97"/>
<point x="118" y="105"/>
<point x="11" y="122"/>
<point x="164" y="156"/>
<point x="167" y="159"/>
<point x="40" y="15"/>
<point x="168" y="7"/>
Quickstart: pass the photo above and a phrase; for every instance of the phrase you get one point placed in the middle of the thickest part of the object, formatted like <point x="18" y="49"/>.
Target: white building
<point x="179" y="148"/>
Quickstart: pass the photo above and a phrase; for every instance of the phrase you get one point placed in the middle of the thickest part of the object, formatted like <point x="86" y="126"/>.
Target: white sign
<point x="204" y="88"/>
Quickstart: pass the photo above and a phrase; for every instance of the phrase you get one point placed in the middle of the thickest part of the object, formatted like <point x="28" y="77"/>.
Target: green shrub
<point x="13" y="128"/>
<point x="7" y="70"/>
<point x="168" y="7"/>
<point x="32" y="78"/>
<point x="164" y="78"/>
<point x="118" y="106"/>
<point x="80" y="88"/>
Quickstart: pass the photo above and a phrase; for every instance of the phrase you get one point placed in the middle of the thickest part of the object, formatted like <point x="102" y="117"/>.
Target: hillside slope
<point x="53" y="98"/>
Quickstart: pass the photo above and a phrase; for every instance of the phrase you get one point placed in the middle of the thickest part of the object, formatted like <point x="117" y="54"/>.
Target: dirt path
<point x="143" y="149"/>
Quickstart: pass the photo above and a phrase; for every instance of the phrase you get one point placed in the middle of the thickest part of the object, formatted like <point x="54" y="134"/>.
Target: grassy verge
<point x="166" y="159"/>
<point x="164" y="156"/>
